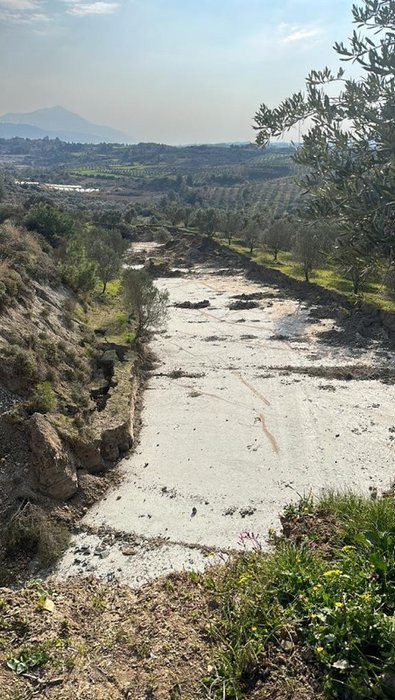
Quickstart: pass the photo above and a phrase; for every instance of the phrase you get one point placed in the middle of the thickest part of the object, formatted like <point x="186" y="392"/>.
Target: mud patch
<point x="256" y="296"/>
<point x="243" y="305"/>
<point x="181" y="374"/>
<point x="343" y="373"/>
<point x="214" y="338"/>
<point x="192" y="304"/>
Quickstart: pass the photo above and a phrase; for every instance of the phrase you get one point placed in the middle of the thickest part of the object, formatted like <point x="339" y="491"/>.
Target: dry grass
<point x="104" y="641"/>
<point x="30" y="531"/>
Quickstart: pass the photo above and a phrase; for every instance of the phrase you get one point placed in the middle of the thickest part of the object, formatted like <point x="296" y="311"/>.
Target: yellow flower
<point x="313" y="616"/>
<point x="254" y="629"/>
<point x="317" y="587"/>
<point x="366" y="597"/>
<point x="348" y="548"/>
<point x="332" y="573"/>
<point x="319" y="650"/>
<point x="244" y="578"/>
<point x="339" y="605"/>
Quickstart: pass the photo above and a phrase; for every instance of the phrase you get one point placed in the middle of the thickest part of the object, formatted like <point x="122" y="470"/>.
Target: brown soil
<point x="291" y="675"/>
<point x="106" y="642"/>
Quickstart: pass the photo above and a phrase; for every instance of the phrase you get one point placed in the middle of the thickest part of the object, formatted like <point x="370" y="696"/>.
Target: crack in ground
<point x="111" y="536"/>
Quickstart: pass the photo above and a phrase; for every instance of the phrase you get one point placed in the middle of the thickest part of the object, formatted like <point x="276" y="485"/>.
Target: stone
<point x="108" y="361"/>
<point x="53" y="461"/>
<point x="88" y="454"/>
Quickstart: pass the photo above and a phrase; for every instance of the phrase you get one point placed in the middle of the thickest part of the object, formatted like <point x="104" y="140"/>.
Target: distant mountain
<point x="57" y="122"/>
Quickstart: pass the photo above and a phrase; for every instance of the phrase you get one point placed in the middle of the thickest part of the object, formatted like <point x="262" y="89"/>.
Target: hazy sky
<point x="175" y="71"/>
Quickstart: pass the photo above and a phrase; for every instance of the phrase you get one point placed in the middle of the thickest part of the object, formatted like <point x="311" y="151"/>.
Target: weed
<point x="30" y="656"/>
<point x="339" y="606"/>
<point x="30" y="532"/>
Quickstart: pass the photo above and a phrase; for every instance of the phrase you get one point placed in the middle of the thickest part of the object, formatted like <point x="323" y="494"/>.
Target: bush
<point x="51" y="222"/>
<point x="162" y="235"/>
<point x="31" y="532"/>
<point x="338" y="601"/>
<point x="43" y="399"/>
<point x="11" y="284"/>
<point x="144" y="301"/>
<point x="25" y="363"/>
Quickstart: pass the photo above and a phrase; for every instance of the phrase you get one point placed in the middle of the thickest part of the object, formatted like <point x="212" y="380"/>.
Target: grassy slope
<point x="326" y="277"/>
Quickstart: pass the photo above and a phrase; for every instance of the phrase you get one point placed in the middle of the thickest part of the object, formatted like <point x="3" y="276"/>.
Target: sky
<point x="170" y="71"/>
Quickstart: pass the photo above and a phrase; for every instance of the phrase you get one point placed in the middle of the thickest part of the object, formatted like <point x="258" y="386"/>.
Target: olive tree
<point x="307" y="247"/>
<point x="145" y="303"/>
<point x="207" y="221"/>
<point x="348" y="148"/>
<point x="230" y="223"/>
<point x="106" y="248"/>
<point x="277" y="236"/>
<point x="253" y="233"/>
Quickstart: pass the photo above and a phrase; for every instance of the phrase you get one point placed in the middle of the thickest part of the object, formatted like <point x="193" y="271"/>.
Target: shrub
<point x="337" y="602"/>
<point x="31" y="532"/>
<point x="162" y="235"/>
<point x="11" y="284"/>
<point x="51" y="222"/>
<point x="144" y="301"/>
<point x="43" y="399"/>
<point x="25" y="363"/>
<point x="77" y="271"/>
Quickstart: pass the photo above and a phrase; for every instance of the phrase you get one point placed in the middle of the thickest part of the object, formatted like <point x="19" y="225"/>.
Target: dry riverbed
<point x="246" y="409"/>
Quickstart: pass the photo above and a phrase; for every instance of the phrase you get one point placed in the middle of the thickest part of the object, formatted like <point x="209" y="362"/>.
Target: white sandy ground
<point x="223" y="450"/>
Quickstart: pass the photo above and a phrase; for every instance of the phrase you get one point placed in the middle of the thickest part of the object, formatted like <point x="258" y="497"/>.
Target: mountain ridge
<point x="57" y="122"/>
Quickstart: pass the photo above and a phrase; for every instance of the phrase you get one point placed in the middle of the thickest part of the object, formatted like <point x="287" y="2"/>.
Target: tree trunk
<point x="275" y="255"/>
<point x="306" y="274"/>
<point x="104" y="287"/>
<point x="356" y="285"/>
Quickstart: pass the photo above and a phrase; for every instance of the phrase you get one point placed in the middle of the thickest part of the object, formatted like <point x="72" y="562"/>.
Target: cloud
<point x="82" y="9"/>
<point x="18" y="5"/>
<point x="296" y="34"/>
<point x="22" y="11"/>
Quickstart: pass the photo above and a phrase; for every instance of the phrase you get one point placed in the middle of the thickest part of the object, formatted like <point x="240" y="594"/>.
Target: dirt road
<point x="235" y="427"/>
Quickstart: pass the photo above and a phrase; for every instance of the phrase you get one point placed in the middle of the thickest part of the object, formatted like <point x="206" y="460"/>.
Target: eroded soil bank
<point x="246" y="409"/>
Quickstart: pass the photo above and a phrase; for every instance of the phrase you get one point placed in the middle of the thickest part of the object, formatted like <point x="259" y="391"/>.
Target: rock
<point x="99" y="387"/>
<point x="115" y="441"/>
<point x="108" y="361"/>
<point x="53" y="461"/>
<point x="113" y="427"/>
<point x="88" y="454"/>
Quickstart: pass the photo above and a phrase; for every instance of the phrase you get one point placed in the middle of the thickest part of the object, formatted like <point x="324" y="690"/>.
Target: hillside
<point x="56" y="123"/>
<point x="66" y="395"/>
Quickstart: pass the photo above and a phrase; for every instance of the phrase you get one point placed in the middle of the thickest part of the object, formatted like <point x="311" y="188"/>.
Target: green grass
<point x="107" y="313"/>
<point x="337" y="601"/>
<point x="328" y="277"/>
<point x="116" y="171"/>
